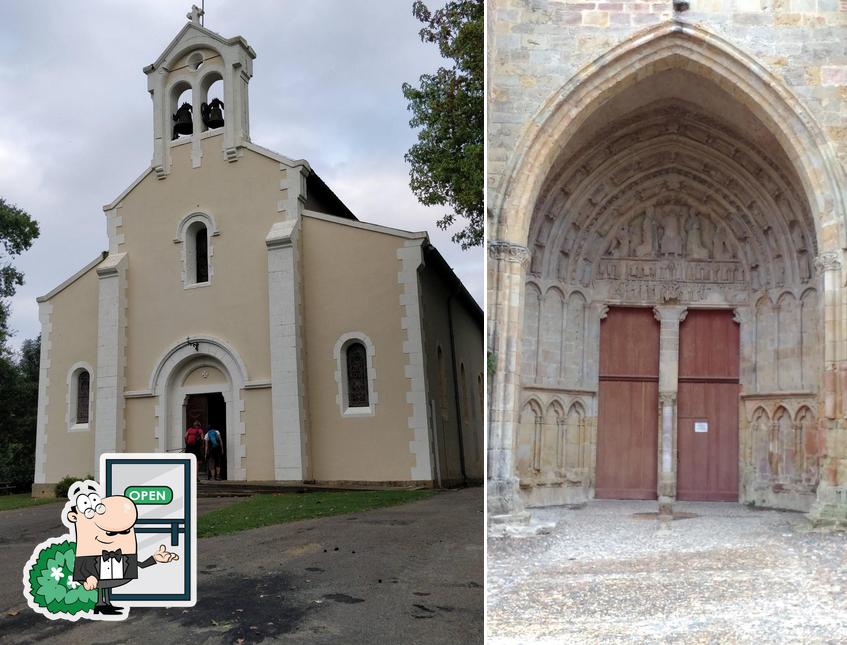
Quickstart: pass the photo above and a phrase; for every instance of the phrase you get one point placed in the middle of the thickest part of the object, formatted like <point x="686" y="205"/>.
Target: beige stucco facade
<point x="293" y="278"/>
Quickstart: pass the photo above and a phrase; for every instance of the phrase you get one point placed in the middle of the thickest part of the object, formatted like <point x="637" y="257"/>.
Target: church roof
<point x="76" y="276"/>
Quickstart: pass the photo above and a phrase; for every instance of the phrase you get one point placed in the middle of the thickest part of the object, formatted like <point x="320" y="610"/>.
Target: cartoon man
<point x="106" y="548"/>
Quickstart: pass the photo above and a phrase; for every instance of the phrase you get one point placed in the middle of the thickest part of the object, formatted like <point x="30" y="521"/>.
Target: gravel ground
<point x="729" y="575"/>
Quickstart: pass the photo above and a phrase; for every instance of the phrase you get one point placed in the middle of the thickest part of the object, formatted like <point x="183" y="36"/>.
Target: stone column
<point x="669" y="317"/>
<point x="830" y="507"/>
<point x="507" y="270"/>
<point x="746" y="317"/>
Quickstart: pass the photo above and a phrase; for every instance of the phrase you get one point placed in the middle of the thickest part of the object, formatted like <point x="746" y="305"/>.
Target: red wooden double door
<point x="707" y="406"/>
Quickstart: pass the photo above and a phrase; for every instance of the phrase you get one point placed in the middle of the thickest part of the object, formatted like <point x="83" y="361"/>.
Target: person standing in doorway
<point x="214" y="453"/>
<point x="194" y="443"/>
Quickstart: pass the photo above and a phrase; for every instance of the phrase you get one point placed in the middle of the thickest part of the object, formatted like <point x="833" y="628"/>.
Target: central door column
<point x="669" y="317"/>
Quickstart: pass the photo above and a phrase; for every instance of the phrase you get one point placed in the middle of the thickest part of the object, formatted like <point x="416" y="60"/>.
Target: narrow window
<point x="201" y="254"/>
<point x="465" y="403"/>
<point x="83" y="385"/>
<point x="357" y="376"/>
<point x="442" y="385"/>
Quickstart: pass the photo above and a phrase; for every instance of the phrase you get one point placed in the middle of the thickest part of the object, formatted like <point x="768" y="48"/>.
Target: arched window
<point x="83" y="389"/>
<point x="201" y="254"/>
<point x="195" y="233"/>
<point x="442" y="386"/>
<point x="80" y="399"/>
<point x="465" y="402"/>
<point x="357" y="376"/>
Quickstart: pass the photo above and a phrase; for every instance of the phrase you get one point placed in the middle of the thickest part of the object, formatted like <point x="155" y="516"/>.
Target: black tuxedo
<point x="89" y="565"/>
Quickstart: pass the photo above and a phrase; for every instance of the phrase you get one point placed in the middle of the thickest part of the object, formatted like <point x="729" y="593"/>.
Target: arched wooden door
<point x="628" y="405"/>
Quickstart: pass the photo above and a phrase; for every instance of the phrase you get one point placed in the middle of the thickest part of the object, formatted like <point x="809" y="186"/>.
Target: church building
<point x="239" y="291"/>
<point x="667" y="311"/>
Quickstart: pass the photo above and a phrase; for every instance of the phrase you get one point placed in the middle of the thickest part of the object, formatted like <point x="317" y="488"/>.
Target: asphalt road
<point x="407" y="574"/>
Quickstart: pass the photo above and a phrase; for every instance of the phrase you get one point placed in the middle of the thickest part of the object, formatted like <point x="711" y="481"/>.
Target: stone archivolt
<point x="671" y="191"/>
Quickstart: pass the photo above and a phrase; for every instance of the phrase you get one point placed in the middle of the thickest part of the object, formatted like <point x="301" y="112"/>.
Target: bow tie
<point x="116" y="555"/>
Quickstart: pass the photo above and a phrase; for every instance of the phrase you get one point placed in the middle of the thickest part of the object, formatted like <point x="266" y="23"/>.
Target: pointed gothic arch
<point x="781" y="248"/>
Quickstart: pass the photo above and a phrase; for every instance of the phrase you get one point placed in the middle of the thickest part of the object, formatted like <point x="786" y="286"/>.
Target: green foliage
<point x="66" y="482"/>
<point x="263" y="510"/>
<point x="18" y="377"/>
<point x="51" y="581"/>
<point x="17" y="233"/>
<point x="447" y="161"/>
<point x="18" y="412"/>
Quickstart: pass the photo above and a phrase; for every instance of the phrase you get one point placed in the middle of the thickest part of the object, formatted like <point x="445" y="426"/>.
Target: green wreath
<point x="52" y="584"/>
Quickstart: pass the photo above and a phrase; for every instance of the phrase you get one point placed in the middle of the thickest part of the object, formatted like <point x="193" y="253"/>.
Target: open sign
<point x="150" y="494"/>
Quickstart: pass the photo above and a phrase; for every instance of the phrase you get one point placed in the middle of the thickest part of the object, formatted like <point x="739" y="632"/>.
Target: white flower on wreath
<point x="73" y="584"/>
<point x="56" y="572"/>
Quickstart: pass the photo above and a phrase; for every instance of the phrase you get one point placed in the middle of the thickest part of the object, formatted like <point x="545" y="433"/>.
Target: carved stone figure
<point x="645" y="249"/>
<point x="619" y="246"/>
<point x="755" y="280"/>
<point x="721" y="247"/>
<point x="570" y="237"/>
<point x="671" y="242"/>
<point x="694" y="244"/>
<point x="773" y="243"/>
<point x="585" y="273"/>
<point x="562" y="268"/>
<point x="535" y="261"/>
<point x="805" y="263"/>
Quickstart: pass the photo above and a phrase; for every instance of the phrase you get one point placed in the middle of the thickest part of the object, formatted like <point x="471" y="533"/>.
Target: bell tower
<point x="194" y="60"/>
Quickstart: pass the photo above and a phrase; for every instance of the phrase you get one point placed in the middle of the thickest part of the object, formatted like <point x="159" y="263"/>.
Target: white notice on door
<point x="701" y="426"/>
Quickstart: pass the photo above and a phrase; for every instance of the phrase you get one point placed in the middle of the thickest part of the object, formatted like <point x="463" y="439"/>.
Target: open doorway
<point x="210" y="411"/>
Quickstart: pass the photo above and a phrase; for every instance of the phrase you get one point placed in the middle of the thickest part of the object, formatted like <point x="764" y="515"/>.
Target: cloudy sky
<point x="76" y="124"/>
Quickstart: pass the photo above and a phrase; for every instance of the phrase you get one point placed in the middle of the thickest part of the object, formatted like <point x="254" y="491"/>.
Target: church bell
<point x="183" y="123"/>
<point x="212" y="113"/>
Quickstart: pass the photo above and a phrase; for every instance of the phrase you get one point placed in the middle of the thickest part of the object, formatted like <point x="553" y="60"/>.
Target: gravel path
<point x="729" y="575"/>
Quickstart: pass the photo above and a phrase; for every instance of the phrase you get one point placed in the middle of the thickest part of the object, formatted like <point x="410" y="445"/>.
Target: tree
<point x="18" y="377"/>
<point x="17" y="233"/>
<point x="18" y="413"/>
<point x="447" y="161"/>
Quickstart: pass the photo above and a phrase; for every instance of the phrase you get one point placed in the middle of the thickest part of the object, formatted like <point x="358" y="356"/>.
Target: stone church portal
<point x="664" y="271"/>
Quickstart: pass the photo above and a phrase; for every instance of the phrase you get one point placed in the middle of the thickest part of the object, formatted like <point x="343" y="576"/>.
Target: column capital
<point x="667" y="398"/>
<point x="508" y="251"/>
<point x="829" y="261"/>
<point x="670" y="313"/>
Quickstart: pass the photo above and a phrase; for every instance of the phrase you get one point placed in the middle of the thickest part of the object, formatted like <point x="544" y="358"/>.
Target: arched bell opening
<point x="212" y="106"/>
<point x="182" y="109"/>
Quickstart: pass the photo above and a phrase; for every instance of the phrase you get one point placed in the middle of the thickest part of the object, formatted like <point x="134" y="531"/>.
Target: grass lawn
<point x="22" y="500"/>
<point x="278" y="508"/>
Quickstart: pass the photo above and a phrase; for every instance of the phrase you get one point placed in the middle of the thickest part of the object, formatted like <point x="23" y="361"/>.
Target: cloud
<point x="77" y="122"/>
